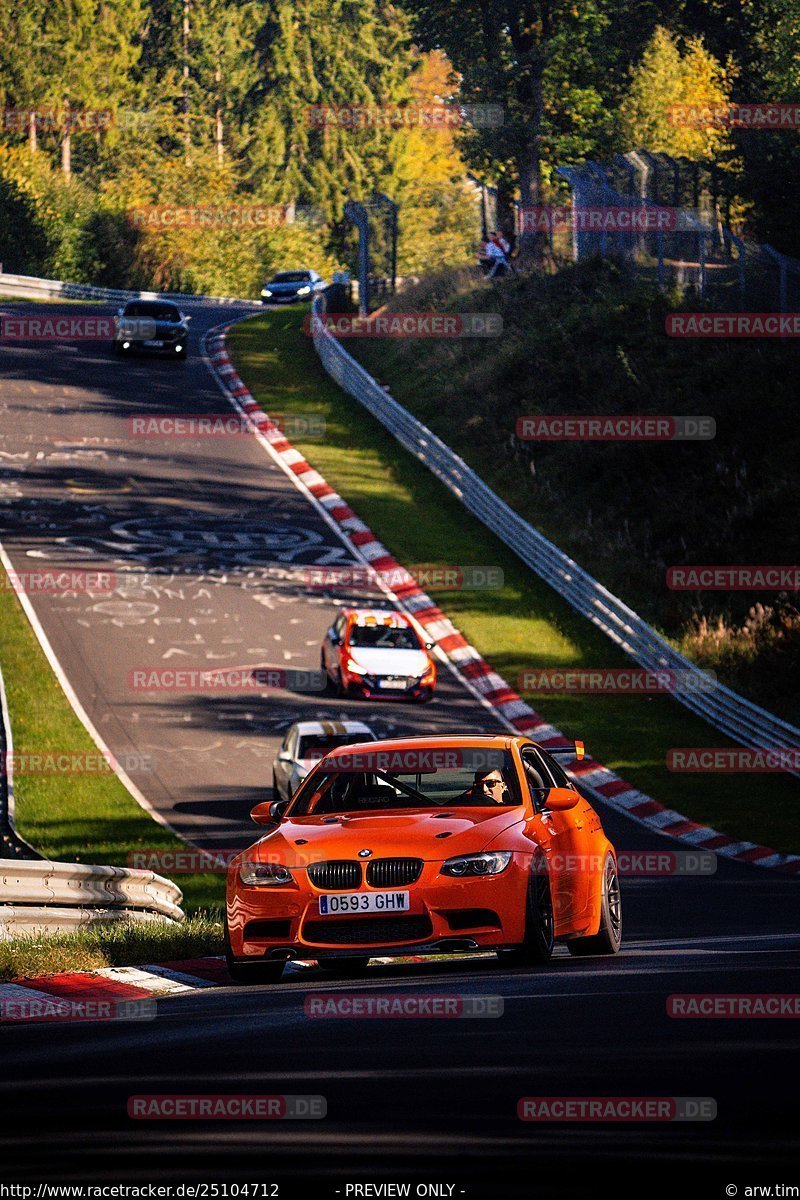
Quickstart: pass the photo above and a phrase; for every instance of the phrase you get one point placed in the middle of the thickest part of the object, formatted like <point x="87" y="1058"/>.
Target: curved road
<point x="209" y="542"/>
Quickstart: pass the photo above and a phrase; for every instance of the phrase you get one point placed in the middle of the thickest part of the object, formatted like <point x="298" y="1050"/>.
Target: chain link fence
<point x="670" y="218"/>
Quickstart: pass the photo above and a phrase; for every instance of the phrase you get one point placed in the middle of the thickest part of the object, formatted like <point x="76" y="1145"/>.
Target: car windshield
<point x="292" y="277"/>
<point x="344" y="790"/>
<point x="317" y="745"/>
<point x="383" y="637"/>
<point x="149" y="308"/>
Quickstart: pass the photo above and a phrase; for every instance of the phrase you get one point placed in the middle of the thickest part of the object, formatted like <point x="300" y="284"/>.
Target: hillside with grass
<point x="589" y="340"/>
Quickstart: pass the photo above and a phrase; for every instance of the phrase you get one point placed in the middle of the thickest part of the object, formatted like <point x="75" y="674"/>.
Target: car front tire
<point x="539" y="923"/>
<point x="609" y="937"/>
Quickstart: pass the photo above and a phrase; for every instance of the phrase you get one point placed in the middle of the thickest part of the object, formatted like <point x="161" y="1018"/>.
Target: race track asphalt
<point x="210" y="542"/>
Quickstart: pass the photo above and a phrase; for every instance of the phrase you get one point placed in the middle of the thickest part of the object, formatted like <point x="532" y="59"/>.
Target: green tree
<point x="541" y="60"/>
<point x="316" y="57"/>
<point x="668" y="84"/>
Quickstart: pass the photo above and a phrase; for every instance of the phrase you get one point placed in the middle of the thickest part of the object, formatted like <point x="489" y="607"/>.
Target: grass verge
<point x="73" y="818"/>
<point x="122" y="944"/>
<point x="590" y="339"/>
<point x="523" y="625"/>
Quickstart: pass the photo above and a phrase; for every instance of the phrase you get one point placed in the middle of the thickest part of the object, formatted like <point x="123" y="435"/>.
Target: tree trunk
<point x="33" y="141"/>
<point x="529" y="163"/>
<point x="66" y="153"/>
<point x="187" y="136"/>
<point x="218" y="126"/>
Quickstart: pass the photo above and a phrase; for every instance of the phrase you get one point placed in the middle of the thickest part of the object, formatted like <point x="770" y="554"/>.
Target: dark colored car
<point x="288" y="286"/>
<point x="153" y="326"/>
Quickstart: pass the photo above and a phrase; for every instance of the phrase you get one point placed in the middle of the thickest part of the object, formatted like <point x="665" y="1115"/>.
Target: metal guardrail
<point x="37" y="895"/>
<point x="23" y="920"/>
<point x="49" y="895"/>
<point x="729" y="712"/>
<point x="55" y="289"/>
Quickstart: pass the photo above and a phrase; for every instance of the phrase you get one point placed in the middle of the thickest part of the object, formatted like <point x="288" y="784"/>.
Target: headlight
<point x="303" y="291"/>
<point x="489" y="863"/>
<point x="354" y="668"/>
<point x="256" y="874"/>
<point x="266" y="292"/>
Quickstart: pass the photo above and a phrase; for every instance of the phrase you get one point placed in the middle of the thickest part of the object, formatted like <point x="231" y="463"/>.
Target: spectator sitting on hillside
<point x="502" y="241"/>
<point x="495" y="256"/>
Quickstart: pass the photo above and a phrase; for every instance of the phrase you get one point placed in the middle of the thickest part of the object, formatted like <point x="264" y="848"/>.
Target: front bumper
<point x="445" y="915"/>
<point x="368" y="687"/>
<point x="167" y="347"/>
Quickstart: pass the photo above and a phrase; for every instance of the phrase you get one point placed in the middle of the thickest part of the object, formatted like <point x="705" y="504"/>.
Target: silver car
<point x="305" y="743"/>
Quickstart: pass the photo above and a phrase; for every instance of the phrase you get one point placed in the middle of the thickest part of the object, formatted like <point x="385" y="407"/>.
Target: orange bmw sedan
<point x="422" y="845"/>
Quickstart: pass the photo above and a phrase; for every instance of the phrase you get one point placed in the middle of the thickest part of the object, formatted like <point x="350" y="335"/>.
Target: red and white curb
<point x="114" y="992"/>
<point x="106" y="993"/>
<point x="475" y="673"/>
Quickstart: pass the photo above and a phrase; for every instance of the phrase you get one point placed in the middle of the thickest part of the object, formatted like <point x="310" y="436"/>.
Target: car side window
<point x="538" y="776"/>
<point x="339" y="626"/>
<point x="560" y="777"/>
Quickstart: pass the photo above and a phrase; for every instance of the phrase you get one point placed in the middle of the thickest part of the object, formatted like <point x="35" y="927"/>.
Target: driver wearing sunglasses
<point x="488" y="787"/>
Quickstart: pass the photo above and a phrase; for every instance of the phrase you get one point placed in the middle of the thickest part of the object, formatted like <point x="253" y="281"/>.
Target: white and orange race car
<point x="377" y="653"/>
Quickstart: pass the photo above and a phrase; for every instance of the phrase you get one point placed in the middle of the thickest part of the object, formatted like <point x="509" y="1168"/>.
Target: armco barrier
<point x="45" y="895"/>
<point x="722" y="707"/>
<point x="28" y="286"/>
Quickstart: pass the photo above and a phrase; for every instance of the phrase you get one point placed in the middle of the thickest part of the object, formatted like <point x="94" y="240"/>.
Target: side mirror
<point x="560" y="799"/>
<point x="262" y="814"/>
<point x="268" y="812"/>
<point x="284" y="756"/>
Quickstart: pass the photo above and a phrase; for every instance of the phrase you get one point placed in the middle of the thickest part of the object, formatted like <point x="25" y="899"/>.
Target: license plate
<point x="359" y="902"/>
<point x="153" y="342"/>
<point x="399" y="685"/>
